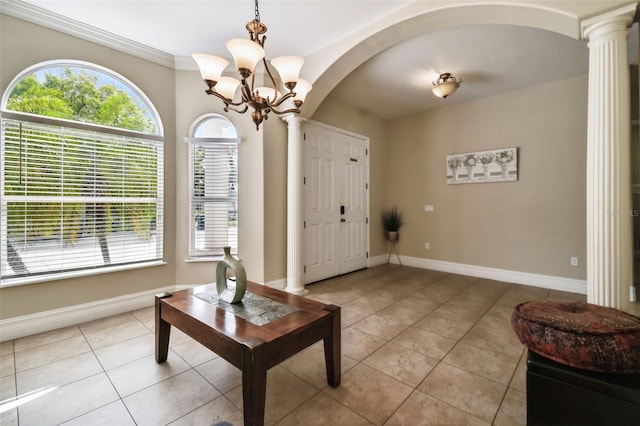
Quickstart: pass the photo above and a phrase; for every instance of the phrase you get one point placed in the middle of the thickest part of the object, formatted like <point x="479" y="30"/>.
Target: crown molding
<point x="45" y="18"/>
<point x="185" y="63"/>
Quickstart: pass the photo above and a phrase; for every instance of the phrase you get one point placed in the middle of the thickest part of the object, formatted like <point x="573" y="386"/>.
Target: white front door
<point x="353" y="201"/>
<point x="336" y="202"/>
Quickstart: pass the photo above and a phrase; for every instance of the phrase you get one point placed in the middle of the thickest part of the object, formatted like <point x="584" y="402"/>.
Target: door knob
<point x="343" y="219"/>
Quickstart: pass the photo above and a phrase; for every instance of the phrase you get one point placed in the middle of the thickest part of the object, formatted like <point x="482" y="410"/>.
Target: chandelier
<point x="246" y="55"/>
<point x="445" y="85"/>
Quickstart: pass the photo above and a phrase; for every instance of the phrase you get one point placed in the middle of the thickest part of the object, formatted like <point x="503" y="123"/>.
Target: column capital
<point x="614" y="20"/>
<point x="293" y="119"/>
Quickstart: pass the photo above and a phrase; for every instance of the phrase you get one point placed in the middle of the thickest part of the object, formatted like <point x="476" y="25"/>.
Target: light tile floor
<point x="419" y="348"/>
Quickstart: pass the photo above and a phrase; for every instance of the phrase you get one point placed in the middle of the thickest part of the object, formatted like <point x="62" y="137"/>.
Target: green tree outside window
<point x="75" y="166"/>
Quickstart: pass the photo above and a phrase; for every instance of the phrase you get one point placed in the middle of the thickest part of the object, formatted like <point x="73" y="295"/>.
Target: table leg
<point x="333" y="348"/>
<point x="254" y="382"/>
<point x="163" y="329"/>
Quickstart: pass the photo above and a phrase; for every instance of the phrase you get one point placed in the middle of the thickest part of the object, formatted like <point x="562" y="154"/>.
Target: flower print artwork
<point x="500" y="165"/>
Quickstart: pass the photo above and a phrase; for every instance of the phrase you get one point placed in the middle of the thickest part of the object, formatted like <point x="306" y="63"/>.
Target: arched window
<point x="213" y="189"/>
<point x="82" y="174"/>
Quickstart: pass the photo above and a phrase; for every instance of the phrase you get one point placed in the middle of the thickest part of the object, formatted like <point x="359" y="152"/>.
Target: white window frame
<point x="70" y="129"/>
<point x="203" y="245"/>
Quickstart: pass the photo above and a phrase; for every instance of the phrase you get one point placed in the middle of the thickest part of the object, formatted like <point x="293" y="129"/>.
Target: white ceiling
<point x="489" y="58"/>
<point x="182" y="27"/>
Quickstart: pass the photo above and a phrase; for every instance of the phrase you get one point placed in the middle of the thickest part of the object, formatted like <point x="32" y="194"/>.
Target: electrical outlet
<point x="427" y="246"/>
<point x="574" y="261"/>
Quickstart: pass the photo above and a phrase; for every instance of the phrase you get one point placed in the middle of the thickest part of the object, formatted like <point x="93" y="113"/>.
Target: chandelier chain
<point x="257" y="12"/>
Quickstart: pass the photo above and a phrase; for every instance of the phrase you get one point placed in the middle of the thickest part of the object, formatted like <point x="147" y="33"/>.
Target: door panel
<point x="353" y="198"/>
<point x="321" y="207"/>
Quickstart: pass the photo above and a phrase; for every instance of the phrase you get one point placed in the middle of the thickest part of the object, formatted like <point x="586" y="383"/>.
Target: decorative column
<point x="295" y="224"/>
<point x="609" y="225"/>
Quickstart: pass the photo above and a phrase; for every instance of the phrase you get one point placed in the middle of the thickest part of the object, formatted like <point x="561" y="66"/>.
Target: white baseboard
<point x="526" y="278"/>
<point x="377" y="260"/>
<point x="279" y="284"/>
<point x="27" y="325"/>
<point x="16" y="327"/>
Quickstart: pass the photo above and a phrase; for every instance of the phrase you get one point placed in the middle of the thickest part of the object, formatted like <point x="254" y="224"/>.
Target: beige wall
<point x="262" y="175"/>
<point x="23" y="44"/>
<point x="275" y="199"/>
<point x="533" y="225"/>
<point x="338" y="114"/>
<point x="193" y="102"/>
<point x="262" y="187"/>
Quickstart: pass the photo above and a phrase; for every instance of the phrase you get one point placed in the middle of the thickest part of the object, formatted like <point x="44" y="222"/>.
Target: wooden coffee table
<point x="252" y="348"/>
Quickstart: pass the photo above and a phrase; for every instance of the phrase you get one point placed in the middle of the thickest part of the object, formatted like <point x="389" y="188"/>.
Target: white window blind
<point x="77" y="197"/>
<point x="214" y="196"/>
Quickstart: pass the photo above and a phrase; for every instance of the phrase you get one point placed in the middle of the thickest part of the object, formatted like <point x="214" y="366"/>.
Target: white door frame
<point x="367" y="175"/>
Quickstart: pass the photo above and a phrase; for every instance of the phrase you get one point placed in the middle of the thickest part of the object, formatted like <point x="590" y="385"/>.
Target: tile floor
<point x="419" y="348"/>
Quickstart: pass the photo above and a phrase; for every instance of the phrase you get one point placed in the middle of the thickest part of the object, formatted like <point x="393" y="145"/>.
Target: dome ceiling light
<point x="246" y="54"/>
<point x="445" y="85"/>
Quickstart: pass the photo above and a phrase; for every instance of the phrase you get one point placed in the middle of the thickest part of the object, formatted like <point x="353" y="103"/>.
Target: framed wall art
<point x="499" y="165"/>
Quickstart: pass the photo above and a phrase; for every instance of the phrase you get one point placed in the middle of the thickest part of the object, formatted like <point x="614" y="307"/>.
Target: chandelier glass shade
<point x="445" y="85"/>
<point x="247" y="53"/>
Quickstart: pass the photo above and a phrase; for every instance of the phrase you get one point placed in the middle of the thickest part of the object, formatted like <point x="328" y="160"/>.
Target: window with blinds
<point x="77" y="198"/>
<point x="213" y="168"/>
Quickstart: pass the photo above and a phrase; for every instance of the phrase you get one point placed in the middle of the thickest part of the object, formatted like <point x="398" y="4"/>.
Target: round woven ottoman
<point x="581" y="335"/>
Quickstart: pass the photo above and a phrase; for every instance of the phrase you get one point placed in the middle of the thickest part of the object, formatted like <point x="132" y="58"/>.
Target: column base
<point x="296" y="290"/>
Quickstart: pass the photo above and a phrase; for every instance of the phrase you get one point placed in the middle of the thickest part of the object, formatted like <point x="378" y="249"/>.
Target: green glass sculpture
<point x="224" y="292"/>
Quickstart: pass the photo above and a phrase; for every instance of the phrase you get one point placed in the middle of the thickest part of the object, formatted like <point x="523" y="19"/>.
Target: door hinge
<point x="305" y="269"/>
<point x="366" y="221"/>
<point x="304" y="224"/>
<point x="304" y="180"/>
<point x="366" y="151"/>
<point x="304" y="136"/>
<point x="366" y="185"/>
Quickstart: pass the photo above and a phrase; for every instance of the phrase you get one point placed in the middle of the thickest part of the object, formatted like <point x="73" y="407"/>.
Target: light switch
<point x="428" y="208"/>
